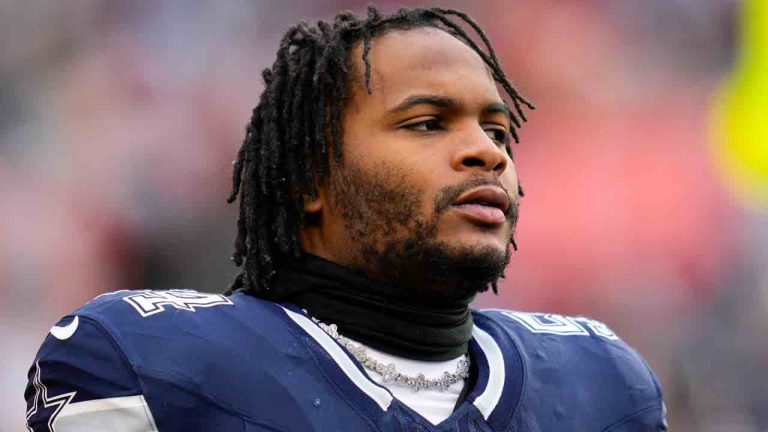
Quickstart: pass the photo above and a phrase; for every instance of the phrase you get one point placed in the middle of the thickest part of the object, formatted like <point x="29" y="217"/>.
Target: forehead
<point x="424" y="61"/>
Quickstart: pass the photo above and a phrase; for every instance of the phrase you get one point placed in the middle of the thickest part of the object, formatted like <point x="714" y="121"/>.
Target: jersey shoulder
<point x="578" y="360"/>
<point x="572" y="343"/>
<point x="536" y="325"/>
<point x="133" y="304"/>
<point x="155" y="328"/>
<point x="150" y="329"/>
<point x="150" y="355"/>
<point x="178" y="313"/>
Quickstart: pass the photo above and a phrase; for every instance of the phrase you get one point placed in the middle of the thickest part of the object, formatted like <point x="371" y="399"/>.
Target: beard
<point x="381" y="214"/>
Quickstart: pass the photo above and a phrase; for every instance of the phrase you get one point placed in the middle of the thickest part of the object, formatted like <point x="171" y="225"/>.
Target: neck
<point x="386" y="317"/>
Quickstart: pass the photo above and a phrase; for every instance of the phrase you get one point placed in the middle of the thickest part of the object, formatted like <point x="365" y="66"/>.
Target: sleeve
<point x="81" y="381"/>
<point x="648" y="419"/>
<point x="589" y="361"/>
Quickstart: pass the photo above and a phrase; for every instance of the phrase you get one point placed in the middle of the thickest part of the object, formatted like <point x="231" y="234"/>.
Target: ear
<point x="313" y="206"/>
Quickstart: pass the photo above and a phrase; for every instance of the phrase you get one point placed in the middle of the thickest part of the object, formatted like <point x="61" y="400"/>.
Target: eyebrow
<point x="446" y="103"/>
<point x="497" y="108"/>
<point x="415" y="100"/>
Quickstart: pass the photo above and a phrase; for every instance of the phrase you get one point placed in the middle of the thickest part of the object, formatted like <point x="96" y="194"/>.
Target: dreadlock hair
<point x="285" y="154"/>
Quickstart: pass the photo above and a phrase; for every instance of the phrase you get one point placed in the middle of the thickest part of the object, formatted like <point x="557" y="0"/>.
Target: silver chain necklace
<point x="388" y="371"/>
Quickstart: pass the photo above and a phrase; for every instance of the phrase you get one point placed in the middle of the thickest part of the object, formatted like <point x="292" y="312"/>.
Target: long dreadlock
<point x="285" y="153"/>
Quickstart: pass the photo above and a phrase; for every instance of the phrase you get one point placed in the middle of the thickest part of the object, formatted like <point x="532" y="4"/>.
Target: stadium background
<point x="644" y="167"/>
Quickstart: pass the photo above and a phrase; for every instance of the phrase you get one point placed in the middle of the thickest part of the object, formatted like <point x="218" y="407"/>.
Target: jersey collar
<point x="496" y="394"/>
<point x="501" y="372"/>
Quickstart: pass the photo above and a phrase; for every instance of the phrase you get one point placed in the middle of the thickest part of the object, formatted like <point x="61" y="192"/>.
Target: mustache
<point x="447" y="195"/>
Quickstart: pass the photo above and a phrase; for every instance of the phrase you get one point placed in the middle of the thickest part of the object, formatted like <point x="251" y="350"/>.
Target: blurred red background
<point x="119" y="122"/>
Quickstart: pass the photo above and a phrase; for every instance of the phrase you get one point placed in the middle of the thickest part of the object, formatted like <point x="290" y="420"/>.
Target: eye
<point x="500" y="136"/>
<point x="427" y="125"/>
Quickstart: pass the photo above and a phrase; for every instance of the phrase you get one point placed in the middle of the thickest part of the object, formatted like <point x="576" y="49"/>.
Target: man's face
<point x="426" y="193"/>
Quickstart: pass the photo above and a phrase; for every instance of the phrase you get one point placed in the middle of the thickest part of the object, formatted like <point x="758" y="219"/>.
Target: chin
<point x="450" y="269"/>
<point x="487" y="244"/>
<point x="492" y="252"/>
<point x="457" y="233"/>
<point x="479" y="261"/>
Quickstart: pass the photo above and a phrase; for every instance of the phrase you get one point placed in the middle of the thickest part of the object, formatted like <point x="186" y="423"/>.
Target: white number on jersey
<point x="152" y="302"/>
<point x="561" y="325"/>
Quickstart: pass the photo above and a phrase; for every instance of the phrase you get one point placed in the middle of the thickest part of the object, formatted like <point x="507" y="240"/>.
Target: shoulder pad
<point x="81" y="378"/>
<point x="578" y="359"/>
<point x="146" y="303"/>
<point x="552" y="324"/>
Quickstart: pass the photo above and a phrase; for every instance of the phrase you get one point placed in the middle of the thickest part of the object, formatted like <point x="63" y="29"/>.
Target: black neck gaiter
<point x="376" y="314"/>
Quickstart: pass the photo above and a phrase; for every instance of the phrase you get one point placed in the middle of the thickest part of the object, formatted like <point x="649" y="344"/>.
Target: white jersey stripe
<point x="120" y="414"/>
<point x="379" y="395"/>
<point x="489" y="398"/>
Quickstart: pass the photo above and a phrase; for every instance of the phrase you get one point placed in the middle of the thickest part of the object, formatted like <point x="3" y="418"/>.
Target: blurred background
<point x="645" y="169"/>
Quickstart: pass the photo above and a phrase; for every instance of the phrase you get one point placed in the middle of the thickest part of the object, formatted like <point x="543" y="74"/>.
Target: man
<point x="378" y="196"/>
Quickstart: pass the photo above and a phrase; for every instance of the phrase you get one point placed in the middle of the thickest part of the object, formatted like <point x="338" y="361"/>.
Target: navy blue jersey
<point x="181" y="360"/>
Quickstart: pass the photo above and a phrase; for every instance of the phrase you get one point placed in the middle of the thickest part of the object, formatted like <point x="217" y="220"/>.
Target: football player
<point x="378" y="196"/>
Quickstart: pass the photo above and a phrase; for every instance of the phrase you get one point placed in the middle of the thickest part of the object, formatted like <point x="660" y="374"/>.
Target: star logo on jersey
<point x="44" y="406"/>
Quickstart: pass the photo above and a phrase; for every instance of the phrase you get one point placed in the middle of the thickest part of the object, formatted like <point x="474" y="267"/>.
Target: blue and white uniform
<point x="140" y="361"/>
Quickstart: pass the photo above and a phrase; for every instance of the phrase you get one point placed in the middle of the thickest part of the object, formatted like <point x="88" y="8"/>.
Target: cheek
<point x="416" y="166"/>
<point x="509" y="178"/>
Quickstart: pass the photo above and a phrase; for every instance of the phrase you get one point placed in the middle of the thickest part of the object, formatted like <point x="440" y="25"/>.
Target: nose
<point x="478" y="151"/>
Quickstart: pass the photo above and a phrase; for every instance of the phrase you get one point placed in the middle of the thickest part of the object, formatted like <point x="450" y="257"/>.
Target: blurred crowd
<point x="119" y="122"/>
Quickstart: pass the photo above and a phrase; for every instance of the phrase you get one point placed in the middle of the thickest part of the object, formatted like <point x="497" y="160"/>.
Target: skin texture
<point x="387" y="209"/>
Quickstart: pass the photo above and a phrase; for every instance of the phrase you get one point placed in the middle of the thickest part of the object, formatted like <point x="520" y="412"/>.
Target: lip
<point x="491" y="196"/>
<point x="486" y="205"/>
